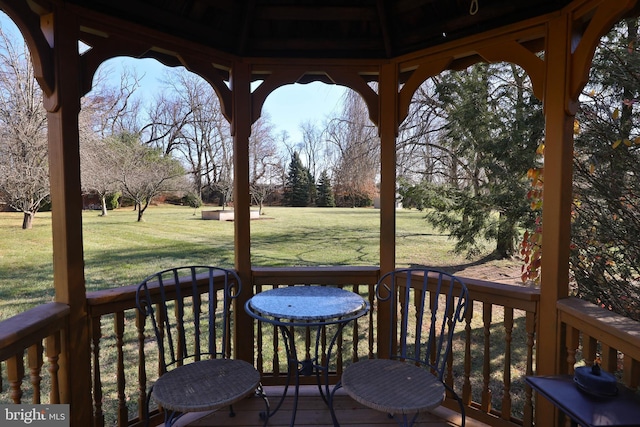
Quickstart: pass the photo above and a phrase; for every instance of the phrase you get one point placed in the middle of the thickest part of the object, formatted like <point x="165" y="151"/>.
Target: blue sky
<point x="288" y="106"/>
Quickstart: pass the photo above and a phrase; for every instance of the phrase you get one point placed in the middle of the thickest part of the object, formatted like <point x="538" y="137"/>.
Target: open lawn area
<point x="120" y="251"/>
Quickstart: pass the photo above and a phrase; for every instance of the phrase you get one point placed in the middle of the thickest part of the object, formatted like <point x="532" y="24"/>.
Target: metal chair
<point x="424" y="307"/>
<point x="190" y="311"/>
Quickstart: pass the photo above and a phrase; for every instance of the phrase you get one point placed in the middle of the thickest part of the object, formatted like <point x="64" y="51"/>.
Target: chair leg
<point x="146" y="408"/>
<point x="263" y="415"/>
<point x="331" y="410"/>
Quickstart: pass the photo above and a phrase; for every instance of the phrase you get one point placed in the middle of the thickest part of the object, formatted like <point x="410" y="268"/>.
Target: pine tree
<point x="605" y="253"/>
<point x="325" y="192"/>
<point x="296" y="191"/>
<point x="493" y="127"/>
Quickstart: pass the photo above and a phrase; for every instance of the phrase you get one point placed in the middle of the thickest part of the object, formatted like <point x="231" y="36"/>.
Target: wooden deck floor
<point x="313" y="412"/>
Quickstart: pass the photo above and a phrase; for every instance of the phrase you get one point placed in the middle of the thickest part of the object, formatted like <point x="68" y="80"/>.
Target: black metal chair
<point x="190" y="311"/>
<point x="425" y="306"/>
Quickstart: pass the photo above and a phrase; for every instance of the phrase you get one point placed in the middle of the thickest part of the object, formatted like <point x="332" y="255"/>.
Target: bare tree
<point x="24" y="169"/>
<point x="187" y="122"/>
<point x="312" y="145"/>
<point x="106" y="111"/>
<point x="145" y="172"/>
<point x="263" y="161"/>
<point x="99" y="169"/>
<point x="112" y="109"/>
<point x="358" y="145"/>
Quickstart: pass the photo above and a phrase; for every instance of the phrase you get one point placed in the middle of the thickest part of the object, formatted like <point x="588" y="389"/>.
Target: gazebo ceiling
<point x="366" y="29"/>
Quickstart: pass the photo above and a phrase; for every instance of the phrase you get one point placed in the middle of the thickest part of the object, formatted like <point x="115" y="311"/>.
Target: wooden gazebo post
<point x="63" y="106"/>
<point x="557" y="204"/>
<point x="387" y="129"/>
<point x="241" y="131"/>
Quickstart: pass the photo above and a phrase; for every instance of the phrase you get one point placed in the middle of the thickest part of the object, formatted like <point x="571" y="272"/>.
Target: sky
<point x="288" y="106"/>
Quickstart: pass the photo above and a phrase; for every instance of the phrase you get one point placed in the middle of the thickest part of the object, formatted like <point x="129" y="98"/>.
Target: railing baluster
<point x="275" y="333"/>
<point x="98" y="415"/>
<point x="609" y="358"/>
<point x="356" y="334"/>
<point x="259" y="340"/>
<point x="506" y="396"/>
<point x="631" y="373"/>
<point x="15" y="374"/>
<point x="119" y="331"/>
<point x="485" y="404"/>
<point x="528" y="403"/>
<point x="573" y="341"/>
<point x="589" y="348"/>
<point x="34" y="358"/>
<point x="142" y="370"/>
<point x="466" y="386"/>
<point x="53" y="348"/>
<point x="372" y="329"/>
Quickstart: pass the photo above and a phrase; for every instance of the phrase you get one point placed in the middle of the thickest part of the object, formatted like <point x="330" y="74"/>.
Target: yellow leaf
<point x="592" y="168"/>
<point x="627" y="143"/>
<point x="540" y="149"/>
<point x="636" y="140"/>
<point x="616" y="114"/>
<point x="616" y="143"/>
<point x="576" y="127"/>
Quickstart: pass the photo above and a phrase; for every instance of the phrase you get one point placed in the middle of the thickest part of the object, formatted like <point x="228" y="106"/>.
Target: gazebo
<point x="397" y="45"/>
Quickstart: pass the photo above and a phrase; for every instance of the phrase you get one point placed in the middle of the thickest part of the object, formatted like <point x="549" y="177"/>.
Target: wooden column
<point x="241" y="131"/>
<point x="556" y="213"/>
<point x="388" y="130"/>
<point x="63" y="106"/>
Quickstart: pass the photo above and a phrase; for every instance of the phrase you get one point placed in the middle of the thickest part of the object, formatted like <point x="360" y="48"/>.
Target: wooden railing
<point x="589" y="331"/>
<point x="31" y="337"/>
<point x="494" y="346"/>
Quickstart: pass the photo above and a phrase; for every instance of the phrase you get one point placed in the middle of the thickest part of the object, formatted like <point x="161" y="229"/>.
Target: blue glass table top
<point x="307" y="303"/>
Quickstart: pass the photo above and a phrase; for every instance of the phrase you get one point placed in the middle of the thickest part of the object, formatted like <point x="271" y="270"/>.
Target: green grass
<point x="120" y="251"/>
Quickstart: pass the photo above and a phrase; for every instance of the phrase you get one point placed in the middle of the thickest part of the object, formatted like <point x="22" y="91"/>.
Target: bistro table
<point x="587" y="410"/>
<point x="311" y="307"/>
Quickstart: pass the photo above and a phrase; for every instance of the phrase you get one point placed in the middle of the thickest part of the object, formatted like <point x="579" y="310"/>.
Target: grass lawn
<point x="120" y="251"/>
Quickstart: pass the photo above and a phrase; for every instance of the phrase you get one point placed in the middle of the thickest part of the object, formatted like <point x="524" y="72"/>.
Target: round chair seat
<point x="205" y="385"/>
<point x="392" y="386"/>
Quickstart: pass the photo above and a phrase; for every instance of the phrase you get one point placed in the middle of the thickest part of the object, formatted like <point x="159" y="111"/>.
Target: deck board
<point x="313" y="412"/>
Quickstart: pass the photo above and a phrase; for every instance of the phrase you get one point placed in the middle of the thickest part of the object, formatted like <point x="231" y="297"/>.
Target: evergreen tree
<point x="325" y="192"/>
<point x="296" y="190"/>
<point x="312" y="190"/>
<point x="605" y="251"/>
<point x="492" y="128"/>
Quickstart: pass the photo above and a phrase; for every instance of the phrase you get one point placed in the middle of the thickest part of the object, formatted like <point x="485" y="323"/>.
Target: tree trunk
<point x="505" y="246"/>
<point x="103" y="199"/>
<point x="27" y="221"/>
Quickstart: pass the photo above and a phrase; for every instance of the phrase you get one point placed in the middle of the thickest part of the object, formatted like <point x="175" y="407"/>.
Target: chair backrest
<point x="425" y="306"/>
<point x="190" y="311"/>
